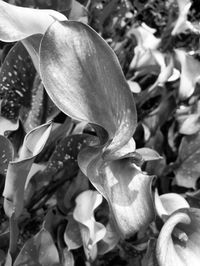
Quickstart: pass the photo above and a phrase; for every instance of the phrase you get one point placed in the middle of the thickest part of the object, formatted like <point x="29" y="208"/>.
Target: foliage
<point x="99" y="133"/>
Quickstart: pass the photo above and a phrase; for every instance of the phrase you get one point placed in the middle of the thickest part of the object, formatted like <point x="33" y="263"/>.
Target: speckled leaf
<point x="190" y="69"/>
<point x="6" y="154"/>
<point x="18" y="170"/>
<point x="17" y="23"/>
<point x="39" y="250"/>
<point x="66" y="153"/>
<point x="188" y="170"/>
<point x="16" y="81"/>
<point x="91" y="231"/>
<point x="85" y="60"/>
<point x="179" y="239"/>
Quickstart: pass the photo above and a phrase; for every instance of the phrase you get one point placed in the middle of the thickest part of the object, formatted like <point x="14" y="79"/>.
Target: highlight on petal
<point x="18" y="170"/>
<point x="80" y="72"/>
<point x="191" y="125"/>
<point x="17" y="23"/>
<point x="182" y="24"/>
<point x="168" y="203"/>
<point x="126" y="188"/>
<point x="91" y="231"/>
<point x="146" y="43"/>
<point x="190" y="69"/>
<point x="109" y="241"/>
<point x="179" y="239"/>
<point x="39" y="250"/>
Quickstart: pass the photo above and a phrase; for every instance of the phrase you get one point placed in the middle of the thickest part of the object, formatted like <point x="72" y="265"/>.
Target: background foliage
<point x="160" y="61"/>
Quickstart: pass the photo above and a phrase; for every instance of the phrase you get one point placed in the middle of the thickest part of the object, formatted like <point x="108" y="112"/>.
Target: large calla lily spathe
<point x="83" y="77"/>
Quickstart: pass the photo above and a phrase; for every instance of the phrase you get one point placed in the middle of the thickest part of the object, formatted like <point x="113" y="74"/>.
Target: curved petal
<point x="125" y="187"/>
<point x="18" y="170"/>
<point x="179" y="240"/>
<point x="91" y="231"/>
<point x="168" y="203"/>
<point x="18" y="23"/>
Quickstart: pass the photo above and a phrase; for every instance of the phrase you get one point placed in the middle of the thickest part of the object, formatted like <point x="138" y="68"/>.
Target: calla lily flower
<point x="179" y="239"/>
<point x="83" y="77"/>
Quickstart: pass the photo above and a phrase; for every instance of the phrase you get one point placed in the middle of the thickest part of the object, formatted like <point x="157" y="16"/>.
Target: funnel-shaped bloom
<point x="84" y="79"/>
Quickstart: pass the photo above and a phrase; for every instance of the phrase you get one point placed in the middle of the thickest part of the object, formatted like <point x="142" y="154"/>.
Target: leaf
<point x="6" y="154"/>
<point x="91" y="231"/>
<point x="168" y="203"/>
<point x="18" y="170"/>
<point x="179" y="239"/>
<point x="14" y="21"/>
<point x="190" y="69"/>
<point x="39" y="250"/>
<point x="188" y="168"/>
<point x="126" y="188"/>
<point x="83" y="57"/>
<point x="16" y="81"/>
<point x="65" y="153"/>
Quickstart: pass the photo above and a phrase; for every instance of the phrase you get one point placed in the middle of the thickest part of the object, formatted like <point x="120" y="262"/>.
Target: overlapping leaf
<point x="88" y="81"/>
<point x="16" y="81"/>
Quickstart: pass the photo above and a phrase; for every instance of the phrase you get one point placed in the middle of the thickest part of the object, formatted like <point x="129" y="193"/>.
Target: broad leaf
<point x="91" y="231"/>
<point x="16" y="81"/>
<point x="40" y="250"/>
<point x="188" y="169"/>
<point x="179" y="239"/>
<point x="89" y="81"/>
<point x="18" y="170"/>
